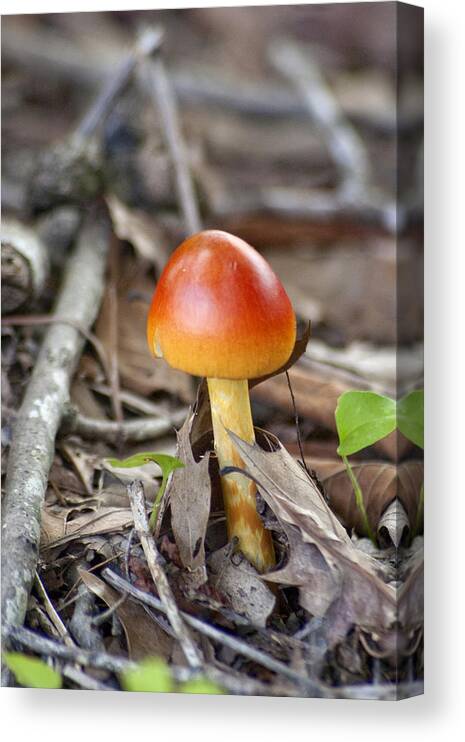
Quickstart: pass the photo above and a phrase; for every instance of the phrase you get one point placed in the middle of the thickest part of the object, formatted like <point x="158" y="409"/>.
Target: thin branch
<point x="52" y="57"/>
<point x="239" y="646"/>
<point x="24" y="320"/>
<point x="154" y="561"/>
<point x="80" y="678"/>
<point x="146" y="45"/>
<point x="110" y="312"/>
<point x="39" y="417"/>
<point x="48" y="647"/>
<point x="135" y="402"/>
<point x="129" y="431"/>
<point x="298" y="203"/>
<point x="343" y="142"/>
<point x="163" y="97"/>
<point x="297" y="425"/>
<point x="61" y="629"/>
<point x="232" y="682"/>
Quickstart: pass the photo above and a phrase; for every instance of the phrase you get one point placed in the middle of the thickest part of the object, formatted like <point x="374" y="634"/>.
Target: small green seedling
<point x="363" y="418"/>
<point x="166" y="463"/>
<point x="30" y="672"/>
<point x="153" y="675"/>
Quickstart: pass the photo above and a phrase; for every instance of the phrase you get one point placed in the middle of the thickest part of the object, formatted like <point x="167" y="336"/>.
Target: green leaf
<point x="362" y="418"/>
<point x="410" y="417"/>
<point x="200" y="685"/>
<point x="152" y="675"/>
<point x="166" y="463"/>
<point x="31" y="672"/>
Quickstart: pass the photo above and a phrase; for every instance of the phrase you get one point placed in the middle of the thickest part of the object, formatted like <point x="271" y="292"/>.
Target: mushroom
<point x="220" y="311"/>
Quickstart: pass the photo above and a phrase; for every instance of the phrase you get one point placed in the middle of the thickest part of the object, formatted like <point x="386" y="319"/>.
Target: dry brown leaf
<point x="364" y="307"/>
<point x="52" y="526"/>
<point x="57" y="530"/>
<point x="356" y="594"/>
<point x="381" y="482"/>
<point x="140" y="230"/>
<point x="236" y="579"/>
<point x="316" y="390"/>
<point x="189" y="494"/>
<point x="145" y="638"/>
<point x="393" y="526"/>
<point x="316" y="393"/>
<point x="306" y="568"/>
<point x="411" y="595"/>
<point x="127" y="350"/>
<point x="139" y="371"/>
<point x="83" y="462"/>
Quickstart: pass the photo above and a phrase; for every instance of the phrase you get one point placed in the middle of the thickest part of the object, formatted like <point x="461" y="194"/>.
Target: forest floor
<point x="117" y="144"/>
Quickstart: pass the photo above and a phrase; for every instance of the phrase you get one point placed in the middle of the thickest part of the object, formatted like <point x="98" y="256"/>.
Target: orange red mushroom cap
<point x="220" y="311"/>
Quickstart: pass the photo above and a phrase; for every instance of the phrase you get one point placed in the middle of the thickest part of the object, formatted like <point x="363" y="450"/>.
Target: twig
<point x="25" y="264"/>
<point x="134" y="431"/>
<point x="73" y="656"/>
<point x="52" y="613"/>
<point x="298" y="203"/>
<point x="136" y="498"/>
<point x="147" y="43"/>
<point x="82" y="680"/>
<point x="240" y="685"/>
<point x="163" y="97"/>
<point x="353" y="196"/>
<point x="52" y="57"/>
<point x="135" y="402"/>
<point x="316" y="689"/>
<point x="297" y="425"/>
<point x="23" y="320"/>
<point x="82" y="625"/>
<point x="109" y="320"/>
<point x="342" y="141"/>
<point x="39" y="417"/>
<point x="50" y="648"/>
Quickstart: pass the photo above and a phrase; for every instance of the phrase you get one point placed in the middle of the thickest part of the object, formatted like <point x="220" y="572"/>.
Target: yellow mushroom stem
<point x="230" y="406"/>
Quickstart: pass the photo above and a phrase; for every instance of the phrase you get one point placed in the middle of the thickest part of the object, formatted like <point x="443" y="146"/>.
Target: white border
<point x="76" y="715"/>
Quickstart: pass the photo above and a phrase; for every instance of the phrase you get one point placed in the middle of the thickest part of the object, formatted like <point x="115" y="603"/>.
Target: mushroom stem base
<point x="230" y="406"/>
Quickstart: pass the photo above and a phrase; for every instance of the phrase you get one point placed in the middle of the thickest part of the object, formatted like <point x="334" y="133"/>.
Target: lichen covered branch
<point x="39" y="417"/>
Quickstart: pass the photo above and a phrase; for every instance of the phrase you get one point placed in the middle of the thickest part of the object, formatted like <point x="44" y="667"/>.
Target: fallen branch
<point x="39" y="417"/>
<point x="73" y="656"/>
<point x="87" y="682"/>
<point x="52" y="57"/>
<point x="160" y="89"/>
<point x="154" y="561"/>
<point x="354" y="195"/>
<point x="343" y="142"/>
<point x="25" y="265"/>
<point x="50" y="648"/>
<point x="307" y="686"/>
<point x="146" y="45"/>
<point x="17" y="320"/>
<point x="315" y="689"/>
<point x="115" y="433"/>
<point x="288" y="202"/>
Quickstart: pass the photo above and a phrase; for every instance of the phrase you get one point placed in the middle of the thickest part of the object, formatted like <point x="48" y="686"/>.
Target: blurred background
<point x="301" y="127"/>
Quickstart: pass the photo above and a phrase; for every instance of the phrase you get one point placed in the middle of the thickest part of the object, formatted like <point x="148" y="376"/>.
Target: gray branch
<point x="160" y="90"/>
<point x="137" y="500"/>
<point x="342" y="140"/>
<point x="147" y="43"/>
<point x="317" y="690"/>
<point x="130" y="431"/>
<point x="39" y="417"/>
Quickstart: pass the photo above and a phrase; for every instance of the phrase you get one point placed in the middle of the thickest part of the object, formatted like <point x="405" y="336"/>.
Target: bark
<point x="39" y="417"/>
